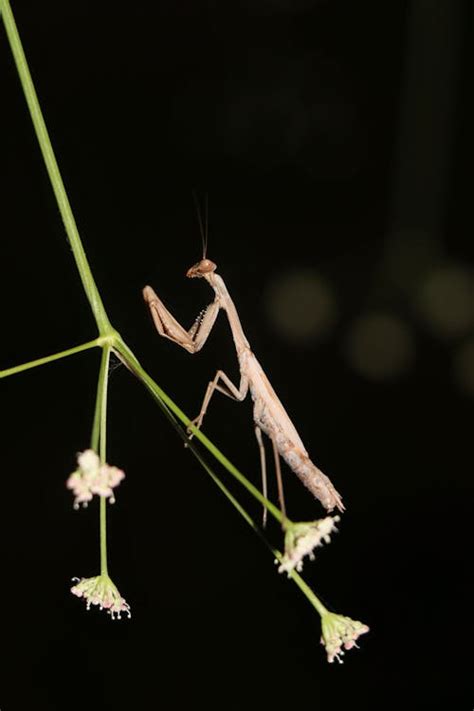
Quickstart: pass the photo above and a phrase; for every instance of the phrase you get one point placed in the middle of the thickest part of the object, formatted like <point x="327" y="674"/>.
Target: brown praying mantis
<point x="268" y="413"/>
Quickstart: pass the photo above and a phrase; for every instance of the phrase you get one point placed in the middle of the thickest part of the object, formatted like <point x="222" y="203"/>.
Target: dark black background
<point x="289" y="115"/>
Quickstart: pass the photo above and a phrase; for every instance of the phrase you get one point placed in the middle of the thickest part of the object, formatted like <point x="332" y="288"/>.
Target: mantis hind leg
<point x="279" y="478"/>
<point x="263" y="467"/>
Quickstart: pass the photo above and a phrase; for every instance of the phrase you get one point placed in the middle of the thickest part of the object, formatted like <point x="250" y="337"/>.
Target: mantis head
<point x="201" y="269"/>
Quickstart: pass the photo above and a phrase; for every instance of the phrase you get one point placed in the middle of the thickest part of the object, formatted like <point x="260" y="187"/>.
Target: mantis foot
<point x="197" y="422"/>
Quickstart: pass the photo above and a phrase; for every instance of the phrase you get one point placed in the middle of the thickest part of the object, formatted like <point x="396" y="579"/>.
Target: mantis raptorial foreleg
<point x="167" y="326"/>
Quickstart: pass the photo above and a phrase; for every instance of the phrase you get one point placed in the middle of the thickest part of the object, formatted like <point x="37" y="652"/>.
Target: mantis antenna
<point x="202" y="228"/>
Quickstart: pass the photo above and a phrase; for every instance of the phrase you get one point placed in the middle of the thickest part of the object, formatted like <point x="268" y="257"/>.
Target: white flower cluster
<point x="92" y="477"/>
<point x="302" y="538"/>
<point x="338" y="632"/>
<point x="101" y="591"/>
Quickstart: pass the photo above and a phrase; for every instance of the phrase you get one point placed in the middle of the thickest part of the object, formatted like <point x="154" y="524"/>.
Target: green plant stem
<point x="104" y="369"/>
<point x="294" y="575"/>
<point x="100" y="315"/>
<point x="95" y="436"/>
<point x="306" y="590"/>
<point x="99" y="444"/>
<point x="51" y="358"/>
<point x="130" y="360"/>
<point x="103" y="535"/>
<point x="103" y="386"/>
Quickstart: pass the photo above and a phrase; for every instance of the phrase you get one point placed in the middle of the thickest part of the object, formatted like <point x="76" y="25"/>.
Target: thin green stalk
<point x="50" y="358"/>
<point x="103" y="535"/>
<point x="104" y="367"/>
<point x="294" y="575"/>
<point x="101" y="383"/>
<point x="103" y="386"/>
<point x="130" y="360"/>
<point x="99" y="443"/>
<point x="134" y="365"/>
<point x="306" y="590"/>
<point x="100" y="315"/>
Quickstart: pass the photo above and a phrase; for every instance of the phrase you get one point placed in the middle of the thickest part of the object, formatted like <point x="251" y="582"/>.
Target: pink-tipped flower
<point x="302" y="538"/>
<point x="91" y="477"/>
<point x="340" y="632"/>
<point x="101" y="591"/>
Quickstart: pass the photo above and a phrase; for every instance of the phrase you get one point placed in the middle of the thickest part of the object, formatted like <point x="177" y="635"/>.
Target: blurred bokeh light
<point x="301" y="306"/>
<point x="445" y="301"/>
<point x="380" y="346"/>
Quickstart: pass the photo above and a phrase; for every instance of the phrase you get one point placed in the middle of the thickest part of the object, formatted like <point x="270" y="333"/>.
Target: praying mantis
<point x="269" y="414"/>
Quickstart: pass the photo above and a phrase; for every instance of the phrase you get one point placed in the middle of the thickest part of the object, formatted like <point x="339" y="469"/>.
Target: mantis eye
<point x="205" y="266"/>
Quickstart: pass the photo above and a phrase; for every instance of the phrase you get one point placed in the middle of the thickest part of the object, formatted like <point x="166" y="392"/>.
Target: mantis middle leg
<point x="229" y="389"/>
